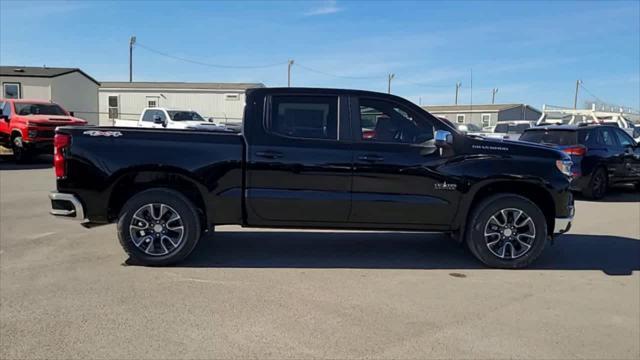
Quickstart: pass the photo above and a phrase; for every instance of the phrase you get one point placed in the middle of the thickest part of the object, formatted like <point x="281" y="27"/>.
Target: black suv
<point x="602" y="155"/>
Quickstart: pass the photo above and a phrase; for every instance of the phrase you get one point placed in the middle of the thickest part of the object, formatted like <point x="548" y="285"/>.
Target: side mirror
<point x="443" y="138"/>
<point x="211" y="119"/>
<point x="4" y="117"/>
<point x="71" y="113"/>
<point x="157" y="119"/>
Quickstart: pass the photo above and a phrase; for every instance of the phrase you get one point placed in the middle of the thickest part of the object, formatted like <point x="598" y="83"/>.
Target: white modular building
<point x="224" y="102"/>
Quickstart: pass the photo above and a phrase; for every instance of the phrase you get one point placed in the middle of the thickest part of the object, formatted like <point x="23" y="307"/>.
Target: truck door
<point x="299" y="161"/>
<point x="396" y="178"/>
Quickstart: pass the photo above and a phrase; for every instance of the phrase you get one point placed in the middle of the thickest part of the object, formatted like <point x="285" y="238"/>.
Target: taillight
<point x="575" y="150"/>
<point x="60" y="142"/>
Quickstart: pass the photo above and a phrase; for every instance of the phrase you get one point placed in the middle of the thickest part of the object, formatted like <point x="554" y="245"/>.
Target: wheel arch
<point x="15" y="132"/>
<point x="129" y="183"/>
<point x="532" y="191"/>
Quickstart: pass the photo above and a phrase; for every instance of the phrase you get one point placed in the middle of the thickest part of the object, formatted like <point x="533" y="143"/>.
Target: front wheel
<point x="158" y="227"/>
<point x="507" y="231"/>
<point x="20" y="153"/>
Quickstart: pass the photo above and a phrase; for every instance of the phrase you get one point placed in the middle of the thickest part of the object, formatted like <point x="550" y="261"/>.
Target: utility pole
<point x="493" y="95"/>
<point x="391" y="76"/>
<point x="132" y="42"/>
<point x="575" y="99"/>
<point x="290" y="64"/>
<point x="458" y="86"/>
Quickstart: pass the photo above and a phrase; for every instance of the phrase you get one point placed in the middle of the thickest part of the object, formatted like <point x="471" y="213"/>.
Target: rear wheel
<point x="597" y="186"/>
<point x="158" y="227"/>
<point x="507" y="231"/>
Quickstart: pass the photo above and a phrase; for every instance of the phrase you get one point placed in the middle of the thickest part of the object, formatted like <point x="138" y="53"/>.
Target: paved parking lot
<point x="65" y="292"/>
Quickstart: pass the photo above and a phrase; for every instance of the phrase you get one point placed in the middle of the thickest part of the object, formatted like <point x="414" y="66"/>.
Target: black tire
<point x="535" y="237"/>
<point x="597" y="186"/>
<point x="20" y="153"/>
<point x="177" y="203"/>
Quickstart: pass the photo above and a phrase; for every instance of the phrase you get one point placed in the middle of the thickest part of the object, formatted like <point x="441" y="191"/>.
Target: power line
<point x="590" y="93"/>
<point x="209" y="64"/>
<point x="339" y="76"/>
<point x="438" y="86"/>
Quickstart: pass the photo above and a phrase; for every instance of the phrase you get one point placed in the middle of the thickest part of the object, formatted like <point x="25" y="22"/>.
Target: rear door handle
<point x="370" y="158"/>
<point x="269" y="154"/>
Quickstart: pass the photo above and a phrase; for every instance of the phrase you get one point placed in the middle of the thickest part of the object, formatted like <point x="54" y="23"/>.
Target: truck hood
<point x="54" y="120"/>
<point x="491" y="146"/>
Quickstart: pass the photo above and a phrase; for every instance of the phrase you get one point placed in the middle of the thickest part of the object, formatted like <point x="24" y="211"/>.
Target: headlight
<point x="33" y="134"/>
<point x="564" y="166"/>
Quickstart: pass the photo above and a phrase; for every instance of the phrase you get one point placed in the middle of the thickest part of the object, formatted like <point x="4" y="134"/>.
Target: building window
<point x="11" y="90"/>
<point x="152" y="101"/>
<point x="486" y="121"/>
<point x="113" y="107"/>
<point x="460" y="118"/>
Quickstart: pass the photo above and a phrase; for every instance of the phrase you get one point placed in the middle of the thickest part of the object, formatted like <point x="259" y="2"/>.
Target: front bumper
<point x="66" y="205"/>
<point x="563" y="225"/>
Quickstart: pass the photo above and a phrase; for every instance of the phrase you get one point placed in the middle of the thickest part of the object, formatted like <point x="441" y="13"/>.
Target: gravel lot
<point x="65" y="292"/>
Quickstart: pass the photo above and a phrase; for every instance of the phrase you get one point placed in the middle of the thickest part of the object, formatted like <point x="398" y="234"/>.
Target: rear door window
<point x="307" y="117"/>
<point x="552" y="137"/>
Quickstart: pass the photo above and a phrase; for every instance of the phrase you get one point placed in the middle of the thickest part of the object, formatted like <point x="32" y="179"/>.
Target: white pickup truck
<point x="165" y="118"/>
<point x="510" y="129"/>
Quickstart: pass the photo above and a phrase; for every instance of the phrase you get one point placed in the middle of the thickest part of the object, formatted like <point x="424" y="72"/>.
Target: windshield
<point x="557" y="137"/>
<point x="185" y="116"/>
<point x="511" y="128"/>
<point x="39" y="109"/>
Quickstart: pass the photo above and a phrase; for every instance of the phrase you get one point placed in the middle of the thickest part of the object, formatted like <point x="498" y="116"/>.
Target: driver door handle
<point x="371" y="158"/>
<point x="269" y="154"/>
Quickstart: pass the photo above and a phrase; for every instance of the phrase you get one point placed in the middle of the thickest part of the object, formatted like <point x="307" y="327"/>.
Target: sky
<point x="532" y="52"/>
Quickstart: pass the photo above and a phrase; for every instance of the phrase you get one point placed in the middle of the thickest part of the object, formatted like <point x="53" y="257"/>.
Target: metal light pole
<point x="391" y="76"/>
<point x="575" y="99"/>
<point x="458" y="86"/>
<point x="132" y="42"/>
<point x="493" y="95"/>
<point x="290" y="64"/>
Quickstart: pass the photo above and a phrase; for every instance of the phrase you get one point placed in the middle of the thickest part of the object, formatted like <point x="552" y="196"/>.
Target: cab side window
<point x="383" y="121"/>
<point x="308" y="117"/>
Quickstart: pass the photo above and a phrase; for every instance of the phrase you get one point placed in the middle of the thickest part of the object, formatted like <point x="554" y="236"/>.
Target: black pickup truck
<point x="314" y="158"/>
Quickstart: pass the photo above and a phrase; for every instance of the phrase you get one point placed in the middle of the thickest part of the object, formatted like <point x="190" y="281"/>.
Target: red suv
<point x="27" y="126"/>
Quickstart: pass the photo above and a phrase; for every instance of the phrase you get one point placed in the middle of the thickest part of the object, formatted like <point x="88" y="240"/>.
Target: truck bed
<point x="101" y="159"/>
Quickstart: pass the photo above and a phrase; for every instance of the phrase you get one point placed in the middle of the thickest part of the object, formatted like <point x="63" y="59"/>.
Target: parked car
<point x="303" y="161"/>
<point x="510" y="129"/>
<point x="164" y="118"/>
<point x="27" y="126"/>
<point x="602" y="155"/>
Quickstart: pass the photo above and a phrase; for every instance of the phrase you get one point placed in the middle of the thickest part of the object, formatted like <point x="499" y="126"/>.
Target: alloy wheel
<point x="156" y="229"/>
<point x="509" y="233"/>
